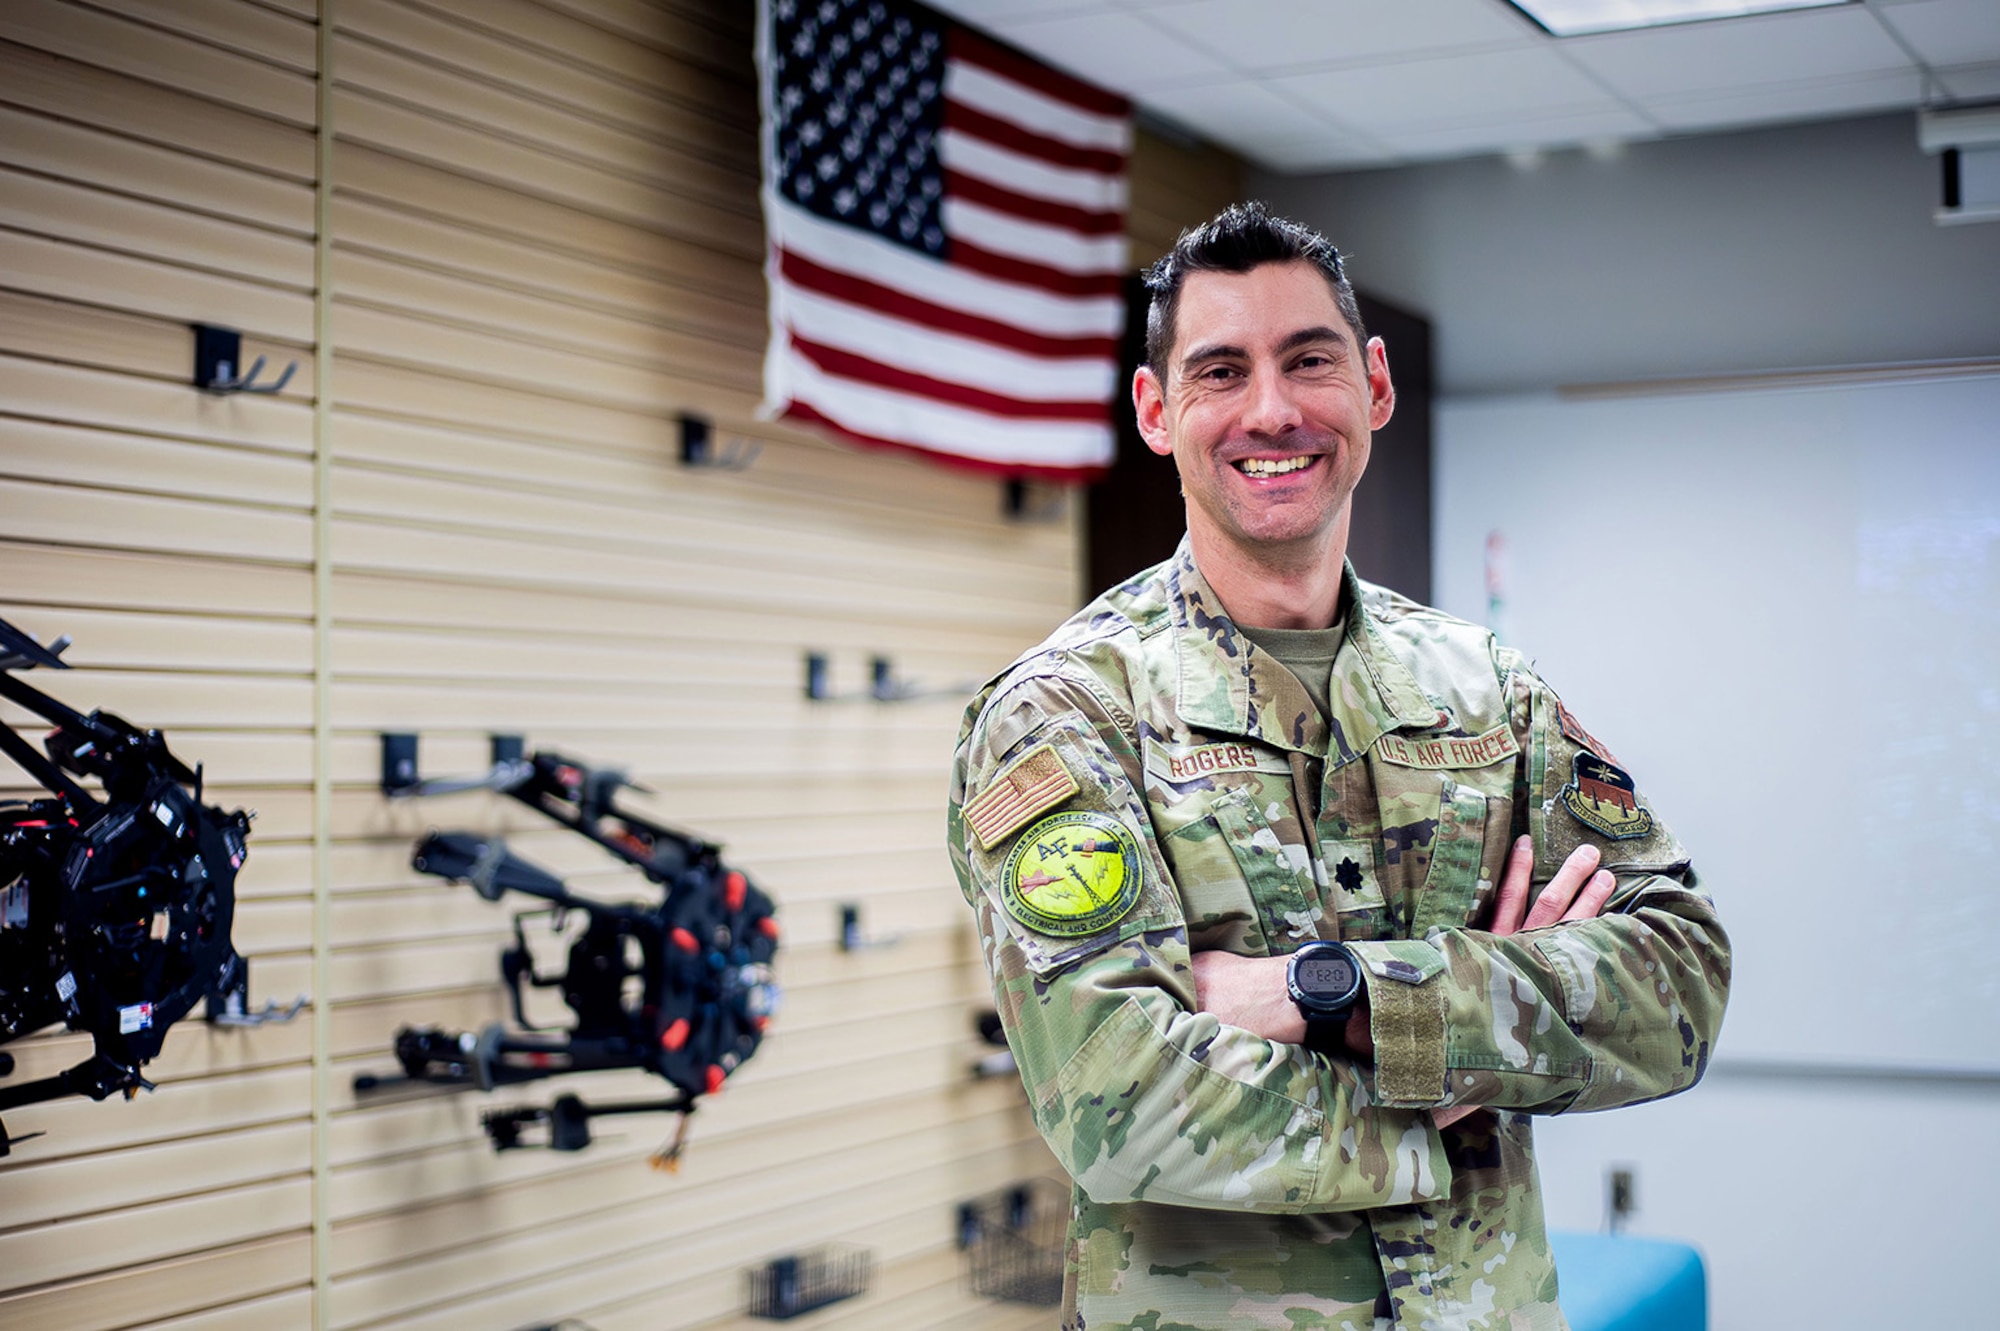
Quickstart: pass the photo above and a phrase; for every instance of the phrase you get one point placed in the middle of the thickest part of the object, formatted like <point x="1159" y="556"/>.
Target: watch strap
<point x="1327" y="1035"/>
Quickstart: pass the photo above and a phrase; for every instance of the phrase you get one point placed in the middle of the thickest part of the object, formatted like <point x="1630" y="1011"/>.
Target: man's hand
<point x="1250" y="991"/>
<point x="1575" y="893"/>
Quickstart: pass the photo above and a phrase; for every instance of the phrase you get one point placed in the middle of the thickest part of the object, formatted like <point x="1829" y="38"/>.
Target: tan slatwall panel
<point x="156" y="169"/>
<point x="544" y="248"/>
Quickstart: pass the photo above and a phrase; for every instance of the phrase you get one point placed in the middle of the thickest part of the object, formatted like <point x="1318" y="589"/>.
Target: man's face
<point x="1267" y="407"/>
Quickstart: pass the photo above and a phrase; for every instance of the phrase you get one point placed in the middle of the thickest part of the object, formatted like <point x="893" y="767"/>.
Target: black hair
<point x="1241" y="237"/>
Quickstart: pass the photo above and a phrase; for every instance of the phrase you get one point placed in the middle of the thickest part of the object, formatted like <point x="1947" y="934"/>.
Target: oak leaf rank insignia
<point x="1072" y="874"/>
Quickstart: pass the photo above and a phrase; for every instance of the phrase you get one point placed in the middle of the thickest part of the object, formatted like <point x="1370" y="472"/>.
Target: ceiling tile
<point x="1274" y="34"/>
<point x="1264" y="126"/>
<point x="1251" y="107"/>
<point x="1318" y="155"/>
<point x="1798" y="101"/>
<point x="1121" y="51"/>
<point x="1551" y="132"/>
<point x="1459" y="89"/>
<point x="1948" y="32"/>
<point x="1740" y="53"/>
<point x="985" y="13"/>
<point x="1972" y="82"/>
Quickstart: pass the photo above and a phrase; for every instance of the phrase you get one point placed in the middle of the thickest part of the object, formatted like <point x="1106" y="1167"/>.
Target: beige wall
<point x="537" y="243"/>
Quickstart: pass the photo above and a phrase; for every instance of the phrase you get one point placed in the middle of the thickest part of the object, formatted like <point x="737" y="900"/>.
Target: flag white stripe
<point x="1038" y="242"/>
<point x="884" y="413"/>
<point x="1090" y="190"/>
<point x="946" y="356"/>
<point x="870" y="257"/>
<point x="1001" y="97"/>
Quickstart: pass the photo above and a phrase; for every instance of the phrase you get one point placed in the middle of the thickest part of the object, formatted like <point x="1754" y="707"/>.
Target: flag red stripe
<point x="963" y="43"/>
<point x="975" y="190"/>
<point x="850" y="366"/>
<point x="900" y="304"/>
<point x="1018" y="138"/>
<point x="1009" y="269"/>
<point x="804" y="412"/>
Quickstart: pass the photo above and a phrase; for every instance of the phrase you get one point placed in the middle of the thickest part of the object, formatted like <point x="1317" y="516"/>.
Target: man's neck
<point x="1289" y="590"/>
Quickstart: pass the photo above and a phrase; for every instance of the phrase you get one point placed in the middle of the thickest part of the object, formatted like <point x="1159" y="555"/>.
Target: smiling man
<point x="1299" y="898"/>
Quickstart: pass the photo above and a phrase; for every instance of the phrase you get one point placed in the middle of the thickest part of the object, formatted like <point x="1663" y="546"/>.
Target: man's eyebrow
<point x="1225" y="350"/>
<point x="1305" y="336"/>
<point x="1213" y="351"/>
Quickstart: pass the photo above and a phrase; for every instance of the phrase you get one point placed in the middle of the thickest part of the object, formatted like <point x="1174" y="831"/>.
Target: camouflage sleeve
<point x="1142" y="1097"/>
<point x="1585" y="1015"/>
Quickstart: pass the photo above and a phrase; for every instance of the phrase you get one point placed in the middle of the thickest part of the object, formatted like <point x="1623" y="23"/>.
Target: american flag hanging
<point x="945" y="224"/>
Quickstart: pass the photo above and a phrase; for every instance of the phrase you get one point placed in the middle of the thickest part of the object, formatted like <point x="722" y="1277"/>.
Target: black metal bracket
<point x="699" y="448"/>
<point x="218" y="358"/>
<point x="883" y="685"/>
<point x="400" y="779"/>
<point x="1031" y="501"/>
<point x="229" y="1003"/>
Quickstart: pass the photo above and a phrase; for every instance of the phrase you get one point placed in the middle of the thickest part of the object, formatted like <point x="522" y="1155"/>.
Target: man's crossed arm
<point x="1249" y="992"/>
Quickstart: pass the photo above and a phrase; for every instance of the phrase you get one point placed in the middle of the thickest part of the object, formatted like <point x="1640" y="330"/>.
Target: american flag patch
<point x="1035" y="781"/>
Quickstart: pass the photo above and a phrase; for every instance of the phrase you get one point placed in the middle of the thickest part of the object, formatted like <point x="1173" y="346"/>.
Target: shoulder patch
<point x="1034" y="782"/>
<point x="1578" y="735"/>
<point x="1442" y="751"/>
<point x="1602" y="797"/>
<point x="1072" y="874"/>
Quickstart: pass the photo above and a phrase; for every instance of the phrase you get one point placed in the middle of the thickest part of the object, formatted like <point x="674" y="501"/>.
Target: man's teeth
<point x="1269" y="467"/>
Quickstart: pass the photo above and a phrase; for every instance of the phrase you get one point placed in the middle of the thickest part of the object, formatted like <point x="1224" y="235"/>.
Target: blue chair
<point x="1613" y="1282"/>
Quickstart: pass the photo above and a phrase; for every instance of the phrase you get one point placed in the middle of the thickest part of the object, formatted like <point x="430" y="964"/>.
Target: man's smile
<point x="1276" y="466"/>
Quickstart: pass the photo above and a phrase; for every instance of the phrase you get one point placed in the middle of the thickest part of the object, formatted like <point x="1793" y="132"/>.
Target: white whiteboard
<point x="1781" y="609"/>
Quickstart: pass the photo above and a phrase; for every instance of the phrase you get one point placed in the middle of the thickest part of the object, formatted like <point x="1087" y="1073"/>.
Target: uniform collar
<point x="1225" y="684"/>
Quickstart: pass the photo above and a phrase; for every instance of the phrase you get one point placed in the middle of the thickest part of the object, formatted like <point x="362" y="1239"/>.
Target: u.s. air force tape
<point x="1072" y="874"/>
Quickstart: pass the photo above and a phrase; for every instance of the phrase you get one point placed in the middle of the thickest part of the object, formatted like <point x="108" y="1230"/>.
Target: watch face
<point x="1327" y="977"/>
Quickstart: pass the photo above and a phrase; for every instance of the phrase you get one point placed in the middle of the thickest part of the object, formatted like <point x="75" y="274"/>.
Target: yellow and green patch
<point x="1072" y="874"/>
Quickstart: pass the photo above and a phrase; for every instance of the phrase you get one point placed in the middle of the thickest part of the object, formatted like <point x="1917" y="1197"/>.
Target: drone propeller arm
<point x="491" y="869"/>
<point x="41" y="769"/>
<point x="96" y="1077"/>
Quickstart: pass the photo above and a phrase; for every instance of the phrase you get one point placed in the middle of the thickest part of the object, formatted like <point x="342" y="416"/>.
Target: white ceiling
<point x="1314" y="85"/>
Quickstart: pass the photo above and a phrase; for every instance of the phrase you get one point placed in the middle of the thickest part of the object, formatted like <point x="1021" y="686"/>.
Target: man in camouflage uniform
<point x="1247" y="749"/>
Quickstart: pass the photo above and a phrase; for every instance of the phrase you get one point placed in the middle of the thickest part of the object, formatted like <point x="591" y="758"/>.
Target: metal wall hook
<point x="18" y="651"/>
<point x="1027" y="501"/>
<point x="399" y="768"/>
<point x="217" y="353"/>
<point x="229" y="1003"/>
<point x="699" y="449"/>
<point x="247" y="381"/>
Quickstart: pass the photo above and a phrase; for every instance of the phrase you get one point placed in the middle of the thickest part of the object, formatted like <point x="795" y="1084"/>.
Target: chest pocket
<point x="1457" y="885"/>
<point x="1241" y="865"/>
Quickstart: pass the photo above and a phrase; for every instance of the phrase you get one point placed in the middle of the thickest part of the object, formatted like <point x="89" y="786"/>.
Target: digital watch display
<point x="1324" y="981"/>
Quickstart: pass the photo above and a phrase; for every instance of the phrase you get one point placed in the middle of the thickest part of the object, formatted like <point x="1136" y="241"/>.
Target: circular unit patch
<point x="1072" y="874"/>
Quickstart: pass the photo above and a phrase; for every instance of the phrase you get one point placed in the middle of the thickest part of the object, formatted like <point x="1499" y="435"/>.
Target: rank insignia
<point x="1602" y="797"/>
<point x="1574" y="729"/>
<point x="1072" y="874"/>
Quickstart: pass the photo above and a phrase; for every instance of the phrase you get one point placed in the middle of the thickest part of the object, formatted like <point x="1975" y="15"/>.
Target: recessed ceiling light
<point x="1573" y="18"/>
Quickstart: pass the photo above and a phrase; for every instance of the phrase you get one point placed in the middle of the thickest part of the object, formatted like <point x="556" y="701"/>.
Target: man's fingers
<point x="1590" y="901"/>
<point x="1562" y="890"/>
<point x="1511" y="904"/>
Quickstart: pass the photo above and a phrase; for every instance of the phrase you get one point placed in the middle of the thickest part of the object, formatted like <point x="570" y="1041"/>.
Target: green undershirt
<point x="1307" y="653"/>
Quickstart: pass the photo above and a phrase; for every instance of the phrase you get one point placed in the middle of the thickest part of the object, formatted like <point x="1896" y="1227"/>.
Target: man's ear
<point x="1149" y="404"/>
<point x="1381" y="392"/>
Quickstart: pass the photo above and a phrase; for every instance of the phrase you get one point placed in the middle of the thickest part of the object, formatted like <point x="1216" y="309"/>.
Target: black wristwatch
<point x="1324" y="980"/>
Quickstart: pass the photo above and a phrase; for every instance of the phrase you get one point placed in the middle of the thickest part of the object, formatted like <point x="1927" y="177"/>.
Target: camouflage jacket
<point x="1146" y="784"/>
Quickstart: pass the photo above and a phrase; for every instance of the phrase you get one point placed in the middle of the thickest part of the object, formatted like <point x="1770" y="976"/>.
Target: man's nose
<point x="1271" y="408"/>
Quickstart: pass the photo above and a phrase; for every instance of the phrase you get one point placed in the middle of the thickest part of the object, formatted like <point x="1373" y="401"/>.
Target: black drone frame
<point x="115" y="909"/>
<point x="681" y="989"/>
